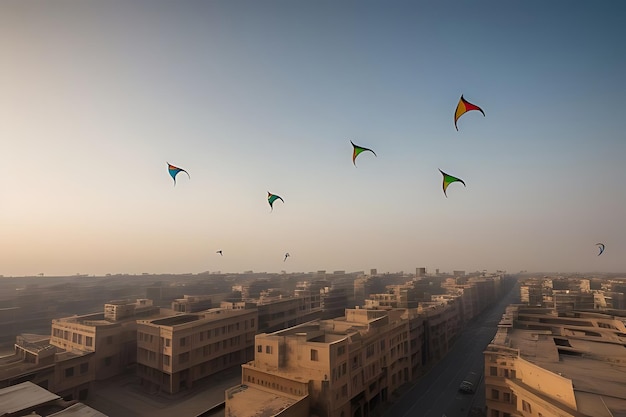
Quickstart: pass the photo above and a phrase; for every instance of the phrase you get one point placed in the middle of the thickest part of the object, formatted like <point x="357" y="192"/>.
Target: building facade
<point x="174" y="353"/>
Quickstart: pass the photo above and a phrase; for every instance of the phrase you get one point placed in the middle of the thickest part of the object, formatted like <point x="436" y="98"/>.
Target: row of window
<point x="83" y="369"/>
<point x="185" y="356"/>
<point x="77" y="338"/>
<point x="275" y="386"/>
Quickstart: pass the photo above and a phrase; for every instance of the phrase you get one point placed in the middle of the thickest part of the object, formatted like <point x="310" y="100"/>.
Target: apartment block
<point x="346" y="366"/>
<point x="192" y="303"/>
<point x="281" y="312"/>
<point x="174" y="353"/>
<point x="111" y="335"/>
<point x="543" y="362"/>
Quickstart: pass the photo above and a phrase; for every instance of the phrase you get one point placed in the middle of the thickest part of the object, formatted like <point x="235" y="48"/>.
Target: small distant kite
<point x="357" y="150"/>
<point x="286" y="256"/>
<point x="271" y="198"/>
<point x="449" y="179"/>
<point x="601" y="247"/>
<point x="220" y="252"/>
<point x="463" y="107"/>
<point x="175" y="170"/>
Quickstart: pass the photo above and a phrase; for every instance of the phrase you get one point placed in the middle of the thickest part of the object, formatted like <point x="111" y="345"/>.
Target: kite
<point x="271" y="198"/>
<point x="357" y="150"/>
<point x="463" y="107"/>
<point x="220" y="252"/>
<point x="286" y="256"/>
<point x="175" y="170"/>
<point x="449" y="179"/>
<point x="601" y="245"/>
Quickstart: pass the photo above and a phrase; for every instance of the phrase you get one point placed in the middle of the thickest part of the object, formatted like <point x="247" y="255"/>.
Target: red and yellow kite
<point x="463" y="107"/>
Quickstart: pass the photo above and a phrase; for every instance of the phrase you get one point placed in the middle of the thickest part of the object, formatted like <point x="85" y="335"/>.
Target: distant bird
<point x="220" y="252"/>
<point x="601" y="247"/>
<point x="286" y="256"/>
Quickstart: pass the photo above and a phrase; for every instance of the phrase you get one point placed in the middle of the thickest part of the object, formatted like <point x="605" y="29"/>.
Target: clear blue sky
<point x="259" y="96"/>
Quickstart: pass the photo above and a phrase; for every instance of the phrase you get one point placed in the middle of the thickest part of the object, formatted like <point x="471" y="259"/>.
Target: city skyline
<point x="251" y="98"/>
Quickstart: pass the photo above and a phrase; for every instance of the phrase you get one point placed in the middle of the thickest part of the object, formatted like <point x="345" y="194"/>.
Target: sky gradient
<point x="251" y="97"/>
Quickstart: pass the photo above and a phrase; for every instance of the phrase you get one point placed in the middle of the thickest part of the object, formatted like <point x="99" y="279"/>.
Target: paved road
<point x="436" y="393"/>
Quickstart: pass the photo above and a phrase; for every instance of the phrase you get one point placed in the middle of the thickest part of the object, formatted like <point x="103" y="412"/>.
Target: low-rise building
<point x="346" y="366"/>
<point x="174" y="353"/>
<point x="110" y="335"/>
<point x="545" y="363"/>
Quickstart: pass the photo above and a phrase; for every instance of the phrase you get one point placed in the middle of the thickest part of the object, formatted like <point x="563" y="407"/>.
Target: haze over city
<point x="250" y="97"/>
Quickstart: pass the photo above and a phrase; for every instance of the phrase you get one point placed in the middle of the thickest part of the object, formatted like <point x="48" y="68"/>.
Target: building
<point x="192" y="303"/>
<point x="342" y="367"/>
<point x="174" y="353"/>
<point x="548" y="363"/>
<point x="111" y="335"/>
<point x="29" y="399"/>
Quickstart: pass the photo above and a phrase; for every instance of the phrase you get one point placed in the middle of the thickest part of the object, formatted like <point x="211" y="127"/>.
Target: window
<point x="259" y="348"/>
<point x="168" y="342"/>
<point x="182" y="341"/>
<point x="84" y="367"/>
<point x="493" y="371"/>
<point x="89" y="341"/>
<point x="506" y="397"/>
<point x="166" y="360"/>
<point x="268" y="349"/>
<point x="69" y="372"/>
<point x="495" y="394"/>
<point x="314" y="355"/>
<point x="369" y="351"/>
<point x="341" y="350"/>
<point x="526" y="407"/>
<point x="252" y="322"/>
<point x="183" y="357"/>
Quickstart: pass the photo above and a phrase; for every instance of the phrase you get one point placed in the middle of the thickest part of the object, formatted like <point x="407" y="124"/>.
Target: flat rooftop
<point x="597" y="370"/>
<point x="78" y="410"/>
<point x="257" y="402"/>
<point x="23" y="397"/>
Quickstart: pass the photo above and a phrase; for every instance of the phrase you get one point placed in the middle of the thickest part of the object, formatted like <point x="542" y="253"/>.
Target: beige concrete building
<point x="66" y="373"/>
<point x="111" y="336"/>
<point x="192" y="303"/>
<point x="544" y="363"/>
<point x="341" y="367"/>
<point x="174" y="353"/>
<point x="281" y="312"/>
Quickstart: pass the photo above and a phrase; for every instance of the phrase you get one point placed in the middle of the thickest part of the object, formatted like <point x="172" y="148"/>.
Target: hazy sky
<point x="257" y="96"/>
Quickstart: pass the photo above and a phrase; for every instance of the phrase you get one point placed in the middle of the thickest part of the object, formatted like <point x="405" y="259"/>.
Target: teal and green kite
<point x="449" y="179"/>
<point x="357" y="150"/>
<point x="271" y="198"/>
